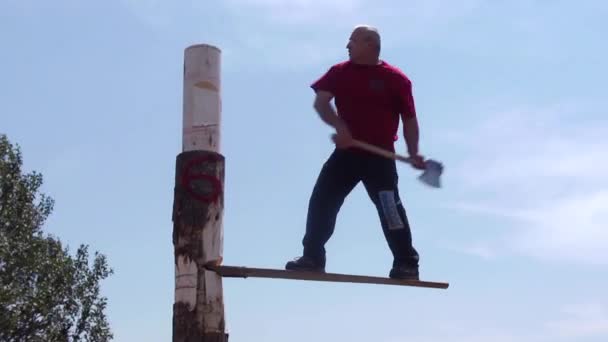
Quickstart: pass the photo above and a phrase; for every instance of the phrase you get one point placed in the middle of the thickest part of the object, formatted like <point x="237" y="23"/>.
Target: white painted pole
<point x="202" y="98"/>
<point x="198" y="216"/>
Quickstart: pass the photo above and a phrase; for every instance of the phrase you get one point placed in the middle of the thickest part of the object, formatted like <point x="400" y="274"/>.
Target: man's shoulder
<point x="340" y="65"/>
<point x="395" y="71"/>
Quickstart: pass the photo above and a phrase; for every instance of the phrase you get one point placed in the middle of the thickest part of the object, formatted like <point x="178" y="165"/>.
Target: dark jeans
<point x="339" y="175"/>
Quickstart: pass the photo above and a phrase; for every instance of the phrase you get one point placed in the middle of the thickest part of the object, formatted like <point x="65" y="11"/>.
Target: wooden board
<point x="245" y="272"/>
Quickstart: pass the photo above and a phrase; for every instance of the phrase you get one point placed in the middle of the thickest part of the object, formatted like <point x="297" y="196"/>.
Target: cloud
<point x="480" y="335"/>
<point x="581" y="321"/>
<point x="483" y="251"/>
<point x="418" y="11"/>
<point x="296" y="11"/>
<point x="284" y="35"/>
<point x="25" y="8"/>
<point x="164" y="15"/>
<point x="571" y="228"/>
<point x="578" y="322"/>
<point x="301" y="33"/>
<point x="542" y="170"/>
<point x="520" y="144"/>
<point x="406" y="20"/>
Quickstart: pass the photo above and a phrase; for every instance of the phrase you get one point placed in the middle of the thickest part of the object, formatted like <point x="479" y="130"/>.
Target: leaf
<point x="46" y="294"/>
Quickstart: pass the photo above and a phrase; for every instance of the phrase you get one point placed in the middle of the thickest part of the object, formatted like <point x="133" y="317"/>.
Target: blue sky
<point x="510" y="96"/>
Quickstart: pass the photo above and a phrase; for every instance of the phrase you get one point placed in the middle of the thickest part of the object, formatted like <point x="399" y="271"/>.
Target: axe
<point x="430" y="176"/>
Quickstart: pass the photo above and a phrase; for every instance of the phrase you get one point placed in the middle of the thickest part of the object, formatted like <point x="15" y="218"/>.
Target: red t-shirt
<point x="369" y="98"/>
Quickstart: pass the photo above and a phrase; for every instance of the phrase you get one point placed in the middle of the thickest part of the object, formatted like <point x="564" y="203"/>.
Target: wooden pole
<point x="198" y="205"/>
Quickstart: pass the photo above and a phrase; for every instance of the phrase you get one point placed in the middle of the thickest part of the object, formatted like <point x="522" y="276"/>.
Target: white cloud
<point x="33" y="7"/>
<point x="288" y="34"/>
<point x="297" y="12"/>
<point x="405" y="20"/>
<point x="581" y="321"/>
<point x="159" y="14"/>
<point x="544" y="170"/>
<point x="482" y="249"/>
<point x="571" y="228"/>
<point x="280" y="52"/>
<point x="477" y="335"/>
<point x="292" y="7"/>
<point x="299" y="33"/>
<point x="522" y="144"/>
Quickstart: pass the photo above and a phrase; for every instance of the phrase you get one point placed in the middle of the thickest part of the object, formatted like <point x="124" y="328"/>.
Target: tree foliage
<point x="46" y="294"/>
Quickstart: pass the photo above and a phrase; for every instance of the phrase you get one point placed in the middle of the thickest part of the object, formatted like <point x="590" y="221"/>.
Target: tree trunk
<point x="198" y="312"/>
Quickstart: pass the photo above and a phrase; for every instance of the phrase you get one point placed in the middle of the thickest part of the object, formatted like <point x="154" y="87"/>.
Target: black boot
<point x="404" y="271"/>
<point x="306" y="263"/>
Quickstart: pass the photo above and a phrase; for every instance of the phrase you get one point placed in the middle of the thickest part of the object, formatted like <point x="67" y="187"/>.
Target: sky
<point x="510" y="97"/>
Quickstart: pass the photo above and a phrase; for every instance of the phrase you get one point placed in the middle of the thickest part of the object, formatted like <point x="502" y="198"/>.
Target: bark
<point x="197" y="238"/>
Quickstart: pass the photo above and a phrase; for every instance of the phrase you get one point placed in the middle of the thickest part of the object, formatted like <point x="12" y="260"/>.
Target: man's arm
<point x="411" y="134"/>
<point x="322" y="105"/>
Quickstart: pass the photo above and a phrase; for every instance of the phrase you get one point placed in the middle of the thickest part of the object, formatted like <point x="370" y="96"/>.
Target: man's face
<point x="357" y="46"/>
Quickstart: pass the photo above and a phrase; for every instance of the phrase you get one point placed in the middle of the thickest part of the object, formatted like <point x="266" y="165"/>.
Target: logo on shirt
<point x="376" y="85"/>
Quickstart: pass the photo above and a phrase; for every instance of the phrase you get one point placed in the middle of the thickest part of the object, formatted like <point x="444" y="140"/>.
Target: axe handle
<point x="381" y="152"/>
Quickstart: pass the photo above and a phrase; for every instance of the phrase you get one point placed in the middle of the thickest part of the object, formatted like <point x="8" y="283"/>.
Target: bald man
<point x="370" y="96"/>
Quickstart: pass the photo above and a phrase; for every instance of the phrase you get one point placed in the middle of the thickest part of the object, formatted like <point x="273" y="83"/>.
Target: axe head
<point x="432" y="174"/>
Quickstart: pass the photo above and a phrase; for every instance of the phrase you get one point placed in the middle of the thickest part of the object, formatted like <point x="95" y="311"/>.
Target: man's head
<point x="364" y="45"/>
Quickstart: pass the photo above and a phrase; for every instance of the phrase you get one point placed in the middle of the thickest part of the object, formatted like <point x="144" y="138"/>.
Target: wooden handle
<point x="381" y="152"/>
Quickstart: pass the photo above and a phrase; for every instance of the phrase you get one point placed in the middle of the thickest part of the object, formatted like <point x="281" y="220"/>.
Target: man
<point x="370" y="96"/>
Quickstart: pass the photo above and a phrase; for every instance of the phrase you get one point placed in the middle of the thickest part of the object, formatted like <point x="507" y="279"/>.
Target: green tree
<point x="45" y="293"/>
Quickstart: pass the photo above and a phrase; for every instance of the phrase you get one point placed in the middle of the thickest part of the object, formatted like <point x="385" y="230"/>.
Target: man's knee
<point x="389" y="203"/>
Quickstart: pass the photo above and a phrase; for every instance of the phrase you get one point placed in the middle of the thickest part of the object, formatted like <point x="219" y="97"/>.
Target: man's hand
<point x="342" y="138"/>
<point x="418" y="162"/>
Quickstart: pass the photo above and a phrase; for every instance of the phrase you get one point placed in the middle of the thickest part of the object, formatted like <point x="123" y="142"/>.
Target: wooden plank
<point x="245" y="272"/>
